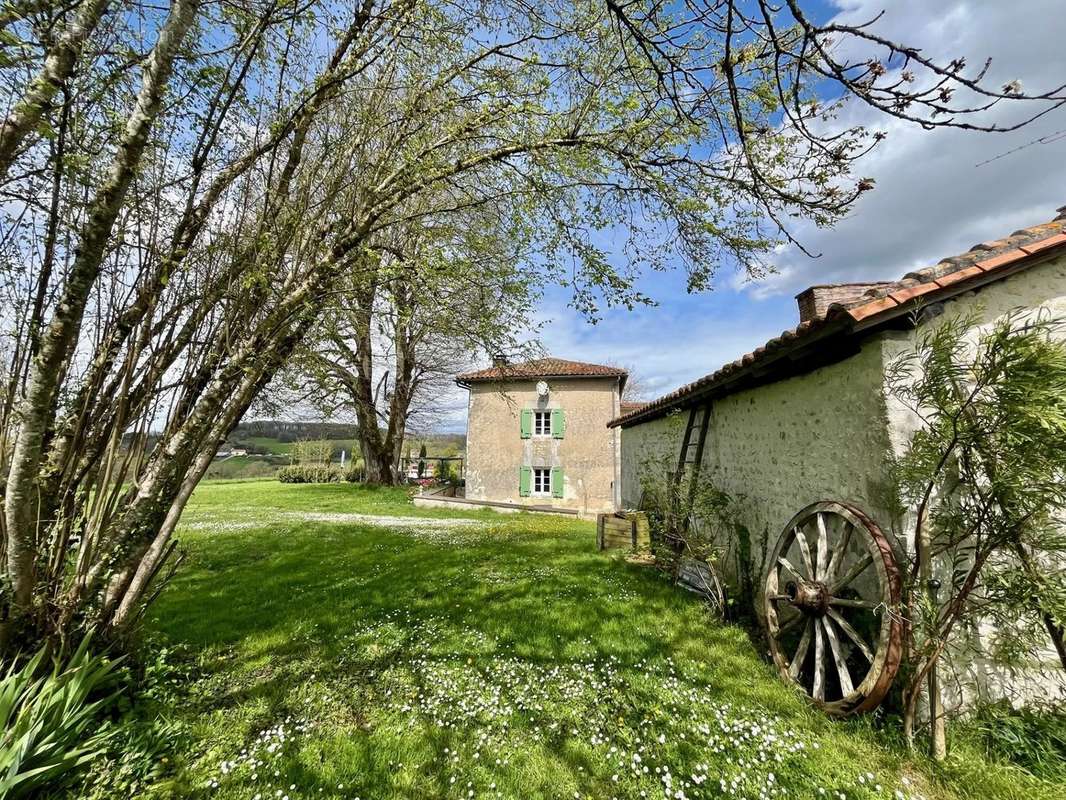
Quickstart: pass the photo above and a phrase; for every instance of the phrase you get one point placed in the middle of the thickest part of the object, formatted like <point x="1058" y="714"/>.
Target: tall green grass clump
<point x="51" y="727"/>
<point x="1031" y="738"/>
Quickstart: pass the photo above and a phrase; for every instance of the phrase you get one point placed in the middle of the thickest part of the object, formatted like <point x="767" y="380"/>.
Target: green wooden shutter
<point x="527" y="422"/>
<point x="557" y="481"/>
<point x="525" y="479"/>
<point x="558" y="423"/>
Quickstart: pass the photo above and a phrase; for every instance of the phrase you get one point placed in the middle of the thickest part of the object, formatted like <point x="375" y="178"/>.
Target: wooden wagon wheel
<point x="832" y="598"/>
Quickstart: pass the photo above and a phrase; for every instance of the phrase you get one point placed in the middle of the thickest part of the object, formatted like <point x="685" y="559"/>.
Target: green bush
<point x="50" y="728"/>
<point x="1031" y="738"/>
<point x="311" y="473"/>
<point x="320" y="473"/>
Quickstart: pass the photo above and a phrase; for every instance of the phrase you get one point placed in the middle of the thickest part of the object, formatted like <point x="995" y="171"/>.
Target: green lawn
<point x="347" y="645"/>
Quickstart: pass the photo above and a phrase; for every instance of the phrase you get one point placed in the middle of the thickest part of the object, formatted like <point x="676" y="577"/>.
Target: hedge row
<point x="320" y="473"/>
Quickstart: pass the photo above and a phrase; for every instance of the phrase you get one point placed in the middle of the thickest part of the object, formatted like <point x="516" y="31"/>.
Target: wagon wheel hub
<point x="810" y="597"/>
<point x="832" y="595"/>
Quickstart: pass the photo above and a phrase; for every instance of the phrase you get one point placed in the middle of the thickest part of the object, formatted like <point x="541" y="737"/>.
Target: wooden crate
<point x="627" y="529"/>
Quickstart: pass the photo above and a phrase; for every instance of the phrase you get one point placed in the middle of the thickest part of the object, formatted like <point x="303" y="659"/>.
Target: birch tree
<point x="203" y="179"/>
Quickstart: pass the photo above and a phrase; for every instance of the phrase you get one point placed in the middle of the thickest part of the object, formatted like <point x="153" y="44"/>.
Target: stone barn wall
<point x="827" y="435"/>
<point x="1040" y="289"/>
<point x="780" y="447"/>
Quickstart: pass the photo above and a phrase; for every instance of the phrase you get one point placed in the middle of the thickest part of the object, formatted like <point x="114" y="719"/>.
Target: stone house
<point x="808" y="417"/>
<point x="537" y="434"/>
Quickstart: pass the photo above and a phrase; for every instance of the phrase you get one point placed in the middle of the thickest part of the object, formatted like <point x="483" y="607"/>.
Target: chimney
<point x="814" y="302"/>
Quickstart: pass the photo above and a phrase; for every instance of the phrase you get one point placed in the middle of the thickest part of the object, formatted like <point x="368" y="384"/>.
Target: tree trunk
<point x="57" y="68"/>
<point x="375" y="448"/>
<point x="58" y="343"/>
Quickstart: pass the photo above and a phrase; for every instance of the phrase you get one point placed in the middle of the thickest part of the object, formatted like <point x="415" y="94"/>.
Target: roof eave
<point x="876" y="313"/>
<point x="827" y="329"/>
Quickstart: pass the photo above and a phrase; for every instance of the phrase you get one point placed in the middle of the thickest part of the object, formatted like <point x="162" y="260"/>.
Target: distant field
<point x="265" y="466"/>
<point x="434" y="449"/>
<point x="243" y="467"/>
<point x="273" y="445"/>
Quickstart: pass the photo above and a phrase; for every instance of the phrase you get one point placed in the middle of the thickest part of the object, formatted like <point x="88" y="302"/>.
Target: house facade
<point x="809" y="417"/>
<point x="537" y="435"/>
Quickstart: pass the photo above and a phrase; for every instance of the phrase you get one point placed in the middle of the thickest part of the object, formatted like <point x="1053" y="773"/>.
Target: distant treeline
<point x="285" y="431"/>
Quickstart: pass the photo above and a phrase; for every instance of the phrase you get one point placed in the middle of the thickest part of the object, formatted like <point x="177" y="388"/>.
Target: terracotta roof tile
<point x="872" y="308"/>
<point x="947" y="277"/>
<point x="960" y="275"/>
<point x="543" y="368"/>
<point x="1043" y="244"/>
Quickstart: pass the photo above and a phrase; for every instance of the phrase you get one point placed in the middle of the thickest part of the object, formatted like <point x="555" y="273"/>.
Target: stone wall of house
<point x="588" y="453"/>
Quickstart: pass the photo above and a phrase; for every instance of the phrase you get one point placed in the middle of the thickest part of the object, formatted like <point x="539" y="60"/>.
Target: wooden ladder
<point x="691" y="455"/>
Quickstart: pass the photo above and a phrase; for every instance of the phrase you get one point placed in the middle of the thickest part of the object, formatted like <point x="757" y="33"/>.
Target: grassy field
<point x="341" y="643"/>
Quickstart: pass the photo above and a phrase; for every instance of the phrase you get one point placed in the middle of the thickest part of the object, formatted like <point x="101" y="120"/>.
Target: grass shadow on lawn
<point x="510" y="656"/>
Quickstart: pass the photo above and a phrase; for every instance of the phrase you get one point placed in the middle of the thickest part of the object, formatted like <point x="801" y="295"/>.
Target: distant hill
<point x="276" y="437"/>
<point x="285" y="431"/>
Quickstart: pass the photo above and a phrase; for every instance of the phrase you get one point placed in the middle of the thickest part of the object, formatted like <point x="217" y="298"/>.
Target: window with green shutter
<point x="525" y="478"/>
<point x="526" y="425"/>
<point x="557" y="481"/>
<point x="558" y="423"/>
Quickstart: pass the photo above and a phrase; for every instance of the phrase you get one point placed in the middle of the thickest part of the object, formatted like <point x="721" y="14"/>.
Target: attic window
<point x="542" y="423"/>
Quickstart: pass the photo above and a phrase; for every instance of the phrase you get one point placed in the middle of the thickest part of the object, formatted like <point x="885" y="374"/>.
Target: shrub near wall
<point x="319" y="473"/>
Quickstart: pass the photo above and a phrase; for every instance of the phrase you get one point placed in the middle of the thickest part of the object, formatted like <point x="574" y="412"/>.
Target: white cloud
<point x="666" y="349"/>
<point x="931" y="199"/>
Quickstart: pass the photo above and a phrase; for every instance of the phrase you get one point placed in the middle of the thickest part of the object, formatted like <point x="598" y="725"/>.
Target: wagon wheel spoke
<point x="784" y="562"/>
<point x="792" y="623"/>
<point x="838" y="553"/>
<point x="852" y="574"/>
<point x="805" y="552"/>
<point x="846" y="686"/>
<point x="818" y="690"/>
<point x="852" y="634"/>
<point x="847" y="603"/>
<point x="823" y="548"/>
<point x="801" y="652"/>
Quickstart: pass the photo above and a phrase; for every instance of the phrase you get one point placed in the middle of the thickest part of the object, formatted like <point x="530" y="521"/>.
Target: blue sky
<point x="931" y="200"/>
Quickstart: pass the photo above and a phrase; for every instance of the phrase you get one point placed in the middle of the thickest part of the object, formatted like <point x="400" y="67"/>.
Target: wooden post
<point x="599" y="531"/>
